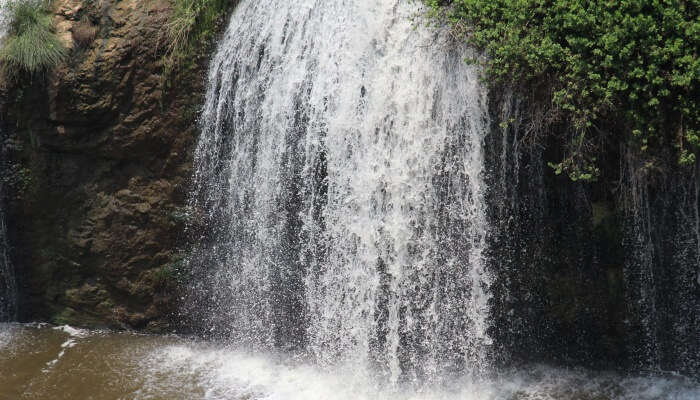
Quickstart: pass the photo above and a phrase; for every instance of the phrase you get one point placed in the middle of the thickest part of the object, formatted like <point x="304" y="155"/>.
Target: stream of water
<point x="8" y="285"/>
<point x="340" y="169"/>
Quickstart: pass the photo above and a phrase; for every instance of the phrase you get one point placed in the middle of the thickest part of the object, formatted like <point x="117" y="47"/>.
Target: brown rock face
<point x="99" y="165"/>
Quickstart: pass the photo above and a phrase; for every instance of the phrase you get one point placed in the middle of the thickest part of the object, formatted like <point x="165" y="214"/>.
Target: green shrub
<point x="620" y="70"/>
<point x="31" y="44"/>
<point x="191" y="24"/>
<point x="170" y="275"/>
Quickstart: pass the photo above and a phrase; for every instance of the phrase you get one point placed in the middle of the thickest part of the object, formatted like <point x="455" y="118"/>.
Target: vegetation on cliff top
<point x="31" y="44"/>
<point x="608" y="70"/>
<point x="193" y="23"/>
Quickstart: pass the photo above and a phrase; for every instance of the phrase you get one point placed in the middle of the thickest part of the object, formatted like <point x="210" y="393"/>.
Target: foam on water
<point x="6" y="336"/>
<point x="231" y="374"/>
<point x="109" y="365"/>
<point x="72" y="331"/>
<point x="70" y="342"/>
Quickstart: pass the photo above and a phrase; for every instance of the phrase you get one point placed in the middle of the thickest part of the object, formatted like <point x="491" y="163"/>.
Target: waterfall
<point x="661" y="267"/>
<point x="4" y="15"/>
<point x="591" y="276"/>
<point x="339" y="190"/>
<point x="8" y="287"/>
<point x="639" y="264"/>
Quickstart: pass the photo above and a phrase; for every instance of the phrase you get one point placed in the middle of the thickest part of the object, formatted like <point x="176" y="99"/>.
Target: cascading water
<point x="4" y="14"/>
<point x="8" y="287"/>
<point x="662" y="240"/>
<point x="585" y="273"/>
<point x="339" y="185"/>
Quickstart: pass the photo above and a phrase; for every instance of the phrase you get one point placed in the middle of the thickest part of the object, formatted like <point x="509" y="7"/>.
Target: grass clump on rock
<point x="193" y="23"/>
<point x="84" y="32"/>
<point x="31" y="44"/>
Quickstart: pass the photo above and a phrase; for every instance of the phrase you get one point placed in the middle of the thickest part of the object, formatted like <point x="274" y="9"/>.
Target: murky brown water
<point x="42" y="362"/>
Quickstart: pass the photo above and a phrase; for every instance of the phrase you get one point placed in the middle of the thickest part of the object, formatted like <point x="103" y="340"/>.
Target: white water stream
<point x="8" y="289"/>
<point x="4" y="15"/>
<point x="341" y="163"/>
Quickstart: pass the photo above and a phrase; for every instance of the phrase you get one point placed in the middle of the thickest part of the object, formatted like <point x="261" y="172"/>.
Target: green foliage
<point x="178" y="216"/>
<point x="170" y="275"/>
<point x="628" y="67"/>
<point x="64" y="317"/>
<point x="164" y="276"/>
<point x="193" y="23"/>
<point x="31" y="44"/>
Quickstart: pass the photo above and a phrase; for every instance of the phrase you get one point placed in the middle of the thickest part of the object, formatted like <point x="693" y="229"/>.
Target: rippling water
<point x="46" y="362"/>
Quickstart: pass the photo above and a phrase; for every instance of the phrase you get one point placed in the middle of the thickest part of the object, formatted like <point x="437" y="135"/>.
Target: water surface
<point x="39" y="361"/>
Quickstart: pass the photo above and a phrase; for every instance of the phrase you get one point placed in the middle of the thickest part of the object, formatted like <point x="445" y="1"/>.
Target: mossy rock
<point x="70" y="316"/>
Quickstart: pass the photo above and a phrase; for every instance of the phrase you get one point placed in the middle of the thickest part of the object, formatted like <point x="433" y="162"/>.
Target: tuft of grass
<point x="31" y="44"/>
<point x="84" y="32"/>
<point x="170" y="275"/>
<point x="192" y="23"/>
<point x="181" y="25"/>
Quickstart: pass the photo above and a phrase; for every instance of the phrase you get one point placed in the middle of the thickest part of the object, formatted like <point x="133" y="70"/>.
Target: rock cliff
<point x="99" y="157"/>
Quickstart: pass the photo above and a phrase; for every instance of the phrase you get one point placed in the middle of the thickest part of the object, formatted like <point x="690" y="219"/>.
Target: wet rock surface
<point x="99" y="159"/>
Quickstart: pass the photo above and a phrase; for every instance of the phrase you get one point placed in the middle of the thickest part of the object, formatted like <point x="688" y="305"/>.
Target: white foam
<point x="73" y="332"/>
<point x="64" y="346"/>
<point x="6" y="335"/>
<point x="227" y="374"/>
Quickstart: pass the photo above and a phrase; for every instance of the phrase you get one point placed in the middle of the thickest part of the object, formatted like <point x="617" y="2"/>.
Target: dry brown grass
<point x="84" y="32"/>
